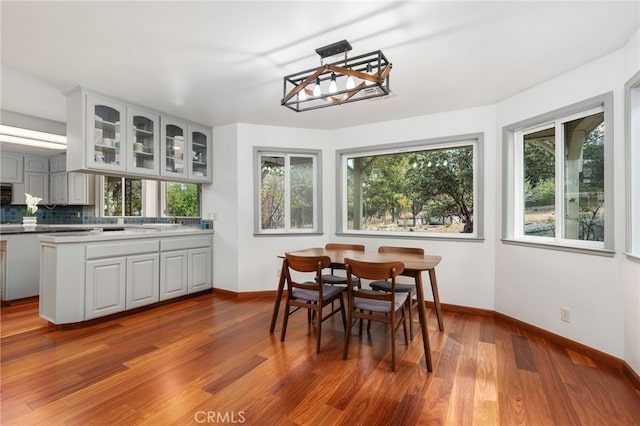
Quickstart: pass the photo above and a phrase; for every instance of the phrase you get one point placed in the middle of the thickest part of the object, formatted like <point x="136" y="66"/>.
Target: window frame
<point x="316" y="155"/>
<point x="100" y="191"/>
<point x="513" y="210"/>
<point x="476" y="140"/>
<point x="632" y="151"/>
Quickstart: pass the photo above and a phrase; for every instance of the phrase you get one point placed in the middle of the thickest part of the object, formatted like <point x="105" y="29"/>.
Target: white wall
<point x="631" y="268"/>
<point x="532" y="284"/>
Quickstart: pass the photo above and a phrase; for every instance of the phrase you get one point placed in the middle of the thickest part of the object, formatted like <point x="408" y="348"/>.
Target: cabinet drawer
<point x="184" y="243"/>
<point x="120" y="248"/>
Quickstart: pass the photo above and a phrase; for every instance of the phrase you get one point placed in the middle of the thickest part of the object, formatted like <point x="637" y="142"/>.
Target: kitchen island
<point x="90" y="274"/>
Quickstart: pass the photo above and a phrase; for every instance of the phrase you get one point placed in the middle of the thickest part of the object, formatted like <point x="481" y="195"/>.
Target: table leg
<point x="423" y="321"/>
<point x="276" y="306"/>
<point x="436" y="298"/>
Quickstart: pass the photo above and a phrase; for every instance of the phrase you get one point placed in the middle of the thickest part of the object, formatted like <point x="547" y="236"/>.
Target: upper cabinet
<point x="174" y="148"/>
<point x="200" y="156"/>
<point x="110" y="136"/>
<point x="143" y="156"/>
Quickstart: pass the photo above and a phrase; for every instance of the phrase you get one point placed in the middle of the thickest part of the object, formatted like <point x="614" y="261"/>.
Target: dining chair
<point x="332" y="278"/>
<point x="410" y="289"/>
<point x="312" y="295"/>
<point x="375" y="305"/>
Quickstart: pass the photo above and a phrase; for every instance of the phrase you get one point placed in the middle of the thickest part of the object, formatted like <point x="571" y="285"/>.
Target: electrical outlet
<point x="565" y="314"/>
<point x="78" y="215"/>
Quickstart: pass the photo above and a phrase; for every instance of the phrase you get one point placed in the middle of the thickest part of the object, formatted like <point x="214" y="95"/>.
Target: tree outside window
<point x="122" y="196"/>
<point x="182" y="199"/>
<point x="427" y="189"/>
<point x="287" y="188"/>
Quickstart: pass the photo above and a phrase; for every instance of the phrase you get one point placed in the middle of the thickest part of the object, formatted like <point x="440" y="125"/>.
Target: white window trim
<point x="632" y="147"/>
<point x="512" y="229"/>
<point x="287" y="153"/>
<point x="476" y="140"/>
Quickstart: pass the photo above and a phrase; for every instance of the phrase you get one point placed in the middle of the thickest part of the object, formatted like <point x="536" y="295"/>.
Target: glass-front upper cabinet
<point x="143" y="148"/>
<point x="200" y="159"/>
<point x="104" y="129"/>
<point x="174" y="148"/>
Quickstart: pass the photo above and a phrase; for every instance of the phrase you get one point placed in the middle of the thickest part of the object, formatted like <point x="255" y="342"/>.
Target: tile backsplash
<point x="81" y="215"/>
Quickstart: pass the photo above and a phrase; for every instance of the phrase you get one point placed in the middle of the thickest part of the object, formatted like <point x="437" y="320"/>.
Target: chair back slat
<point x="394" y="249"/>
<point x="339" y="246"/>
<point x="374" y="270"/>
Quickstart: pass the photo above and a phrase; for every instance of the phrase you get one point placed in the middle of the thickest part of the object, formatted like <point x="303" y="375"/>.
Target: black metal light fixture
<point x="347" y="80"/>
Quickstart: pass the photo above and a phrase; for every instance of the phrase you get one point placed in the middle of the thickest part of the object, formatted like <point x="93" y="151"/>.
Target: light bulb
<point x="370" y="72"/>
<point x="332" y="86"/>
<point x="316" y="88"/>
<point x="350" y="83"/>
<point x="302" y="95"/>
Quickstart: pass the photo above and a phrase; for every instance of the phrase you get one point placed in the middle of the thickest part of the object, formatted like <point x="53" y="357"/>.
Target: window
<point x="420" y="189"/>
<point x="632" y="89"/>
<point x="122" y="196"/>
<point x="287" y="187"/>
<point x="560" y="178"/>
<point x="181" y="199"/>
<point x="147" y="198"/>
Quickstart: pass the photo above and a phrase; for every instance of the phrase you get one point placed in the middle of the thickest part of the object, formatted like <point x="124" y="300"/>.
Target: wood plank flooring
<point x="211" y="360"/>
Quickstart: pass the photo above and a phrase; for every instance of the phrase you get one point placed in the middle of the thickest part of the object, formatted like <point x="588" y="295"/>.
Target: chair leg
<point x="344" y="318"/>
<point x="393" y="342"/>
<point x="318" y="315"/>
<point x="410" y="300"/>
<point x="404" y="326"/>
<point x="347" y="334"/>
<point x="285" y="321"/>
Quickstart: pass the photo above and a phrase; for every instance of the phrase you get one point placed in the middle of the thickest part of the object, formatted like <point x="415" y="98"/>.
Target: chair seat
<point x="386" y="286"/>
<point x="335" y="280"/>
<point x="328" y="292"/>
<point x="379" y="306"/>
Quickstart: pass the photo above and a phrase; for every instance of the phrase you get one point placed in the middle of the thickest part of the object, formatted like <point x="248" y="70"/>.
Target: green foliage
<point x="183" y="199"/>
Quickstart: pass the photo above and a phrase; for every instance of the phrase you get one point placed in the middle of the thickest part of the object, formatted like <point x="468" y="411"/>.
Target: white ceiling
<point x="223" y="62"/>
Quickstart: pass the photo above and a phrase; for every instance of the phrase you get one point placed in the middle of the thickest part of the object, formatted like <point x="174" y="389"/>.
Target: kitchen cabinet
<point x="114" y="137"/>
<point x="69" y="188"/>
<point x="36" y="164"/>
<point x="200" y="148"/>
<point x="142" y="280"/>
<point x="143" y="153"/>
<point x="121" y="270"/>
<point x="106" y="287"/>
<point x="11" y="167"/>
<point x="37" y="184"/>
<point x="175" y="151"/>
<point x="173" y="274"/>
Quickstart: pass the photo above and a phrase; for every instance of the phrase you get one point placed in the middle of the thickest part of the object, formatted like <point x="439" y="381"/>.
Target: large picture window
<point x="428" y="188"/>
<point x="560" y="178"/>
<point x="287" y="192"/>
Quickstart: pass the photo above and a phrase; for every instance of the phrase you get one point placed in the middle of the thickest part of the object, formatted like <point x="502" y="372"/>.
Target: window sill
<point x="287" y="234"/>
<point x="414" y="236"/>
<point x="558" y="247"/>
<point x="634" y="257"/>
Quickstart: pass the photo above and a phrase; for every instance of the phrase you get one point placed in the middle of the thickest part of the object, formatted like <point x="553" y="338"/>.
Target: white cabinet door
<point x="106" y="134"/>
<point x="174" y="147"/>
<point x="79" y="189"/>
<point x="199" y="272"/>
<point x="143" y="144"/>
<point x="200" y="161"/>
<point x="105" y="287"/>
<point x="11" y="168"/>
<point x="37" y="185"/>
<point x="173" y="274"/>
<point x="58" y="188"/>
<point x="143" y="286"/>
<point x="36" y="164"/>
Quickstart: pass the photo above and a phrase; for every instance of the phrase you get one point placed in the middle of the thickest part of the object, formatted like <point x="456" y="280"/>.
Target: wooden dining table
<point x="414" y="265"/>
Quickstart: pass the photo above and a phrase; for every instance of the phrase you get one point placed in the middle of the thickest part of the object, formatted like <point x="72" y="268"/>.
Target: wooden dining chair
<point x="410" y="289"/>
<point x="375" y="305"/>
<point x="332" y="278"/>
<point x="312" y="295"/>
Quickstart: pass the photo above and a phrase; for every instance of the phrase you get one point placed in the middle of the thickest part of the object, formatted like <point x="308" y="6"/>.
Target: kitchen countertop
<point x="97" y="232"/>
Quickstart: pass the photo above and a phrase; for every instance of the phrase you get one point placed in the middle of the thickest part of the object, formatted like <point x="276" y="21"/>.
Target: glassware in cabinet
<point x="105" y="134"/>
<point x="144" y="142"/>
<point x="174" y="148"/>
<point x="200" y="139"/>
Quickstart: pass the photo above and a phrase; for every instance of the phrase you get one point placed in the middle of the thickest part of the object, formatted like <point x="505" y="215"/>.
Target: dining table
<point x="414" y="266"/>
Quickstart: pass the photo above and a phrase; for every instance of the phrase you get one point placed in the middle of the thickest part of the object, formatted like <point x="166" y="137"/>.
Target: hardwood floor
<point x="211" y="360"/>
